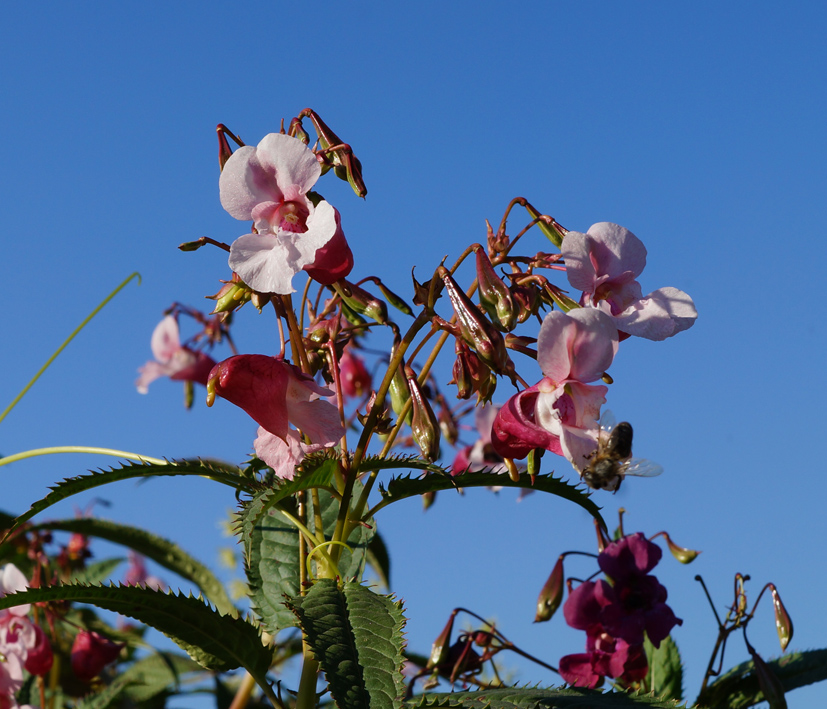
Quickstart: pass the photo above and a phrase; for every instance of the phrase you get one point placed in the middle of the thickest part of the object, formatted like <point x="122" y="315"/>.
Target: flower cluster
<point x="23" y="644"/>
<point x="617" y="613"/>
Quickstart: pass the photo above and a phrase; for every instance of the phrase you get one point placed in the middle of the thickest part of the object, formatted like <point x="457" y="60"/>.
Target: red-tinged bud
<point x="494" y="294"/>
<point x="474" y="328"/>
<point x="525" y="302"/>
<point x="770" y="685"/>
<point x="424" y="424"/>
<point x="551" y="595"/>
<point x="685" y="556"/>
<point x="441" y="647"/>
<point x="40" y="657"/>
<point x="783" y="622"/>
<point x="483" y="638"/>
<point x="92" y="652"/>
<point x="224" y="150"/>
<point x="471" y="374"/>
<point x="356" y="379"/>
<point x="362" y="302"/>
<point x="552" y="230"/>
<point x="602" y="538"/>
<point x="522" y="344"/>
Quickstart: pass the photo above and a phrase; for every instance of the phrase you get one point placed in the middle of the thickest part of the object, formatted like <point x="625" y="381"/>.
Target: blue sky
<point x="699" y="126"/>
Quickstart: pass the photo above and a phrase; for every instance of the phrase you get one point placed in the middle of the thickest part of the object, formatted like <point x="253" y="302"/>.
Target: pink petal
<point x="615" y="250"/>
<point x="244" y="183"/>
<point x="659" y="315"/>
<point x="334" y="260"/>
<point x="12" y="581"/>
<point x="148" y="374"/>
<point x="192" y="366"/>
<point x="515" y="432"/>
<point x="282" y="455"/>
<point x="580" y="344"/>
<point x="165" y="339"/>
<point x="319" y="420"/>
<point x="294" y="164"/>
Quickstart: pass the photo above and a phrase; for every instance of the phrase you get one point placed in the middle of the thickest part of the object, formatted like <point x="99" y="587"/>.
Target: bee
<point x="612" y="461"/>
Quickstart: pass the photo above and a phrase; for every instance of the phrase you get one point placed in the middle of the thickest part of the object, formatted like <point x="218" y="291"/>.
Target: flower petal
<point x="661" y="314"/>
<point x="244" y="183"/>
<point x="580" y="344"/>
<point x="165" y="339"/>
<point x="295" y="166"/>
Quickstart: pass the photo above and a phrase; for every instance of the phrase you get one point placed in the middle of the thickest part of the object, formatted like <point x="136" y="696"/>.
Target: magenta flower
<point x="276" y="394"/>
<point x="560" y="412"/>
<point x="604" y="263"/>
<point x="605" y="656"/>
<point x="172" y="359"/>
<point x="269" y="184"/>
<point x="356" y="379"/>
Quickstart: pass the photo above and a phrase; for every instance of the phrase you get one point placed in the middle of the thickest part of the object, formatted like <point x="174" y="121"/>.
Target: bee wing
<point x="642" y="468"/>
<point x="607" y="421"/>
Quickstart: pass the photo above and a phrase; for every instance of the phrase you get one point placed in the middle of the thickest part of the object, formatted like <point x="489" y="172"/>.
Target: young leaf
<point x="665" y="676"/>
<point x="217" y="642"/>
<point x="158" y="673"/>
<point x="273" y="562"/>
<point x="356" y="635"/>
<point x="739" y="687"/>
<point x="164" y="552"/>
<point x="82" y="483"/>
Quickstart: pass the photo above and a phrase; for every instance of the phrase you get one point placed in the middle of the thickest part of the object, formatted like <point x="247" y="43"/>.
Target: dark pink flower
<point x="356" y="379"/>
<point x="606" y="656"/>
<point x="560" y="412"/>
<point x="269" y="184"/>
<point x="172" y="359"/>
<point x="39" y="657"/>
<point x="604" y="263"/>
<point x="276" y="394"/>
<point x="91" y="652"/>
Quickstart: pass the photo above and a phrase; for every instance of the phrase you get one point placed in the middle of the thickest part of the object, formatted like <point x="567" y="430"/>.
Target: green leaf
<point x="82" y="483"/>
<point x="400" y="488"/>
<point x="98" y="572"/>
<point x="315" y="472"/>
<point x="158" y="673"/>
<point x="739" y="687"/>
<point x="104" y="698"/>
<point x="273" y="562"/>
<point x="217" y="642"/>
<point x="164" y="552"/>
<point x="536" y="698"/>
<point x="665" y="676"/>
<point x="379" y="560"/>
<point x="356" y="635"/>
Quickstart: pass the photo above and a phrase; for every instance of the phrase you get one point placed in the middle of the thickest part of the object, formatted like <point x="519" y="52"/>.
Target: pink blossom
<point x="91" y="652"/>
<point x="12" y="580"/>
<point x="276" y="394"/>
<point x="172" y="359"/>
<point x="481" y="454"/>
<point x="269" y="184"/>
<point x="604" y="263"/>
<point x="560" y="412"/>
<point x="137" y="574"/>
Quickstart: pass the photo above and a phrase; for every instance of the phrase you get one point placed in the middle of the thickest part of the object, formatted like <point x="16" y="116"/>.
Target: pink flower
<point x="604" y="263"/>
<point x="137" y="574"/>
<point x="560" y="412"/>
<point x="172" y="359"/>
<point x="356" y="380"/>
<point x="276" y="394"/>
<point x="269" y="184"/>
<point x="12" y="580"/>
<point x="605" y="656"/>
<point x="92" y="652"/>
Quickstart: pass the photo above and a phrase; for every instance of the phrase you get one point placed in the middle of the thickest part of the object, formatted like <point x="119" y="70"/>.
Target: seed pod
<point x="551" y="595"/>
<point x="783" y="622"/>
<point x="362" y="302"/>
<point x="424" y="424"/>
<point x="685" y="556"/>
<point x="494" y="294"/>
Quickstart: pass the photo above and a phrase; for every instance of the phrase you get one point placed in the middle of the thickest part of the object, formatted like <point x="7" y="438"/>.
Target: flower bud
<point x="770" y="685"/>
<point x="232" y="295"/>
<point x="551" y="595"/>
<point x="440" y="647"/>
<point x="494" y="294"/>
<point x="424" y="424"/>
<point x="399" y="392"/>
<point x="525" y="302"/>
<point x="91" y="652"/>
<point x="475" y="329"/>
<point x="783" y="622"/>
<point x="362" y="302"/>
<point x="356" y="379"/>
<point x="472" y="375"/>
<point x="685" y="556"/>
<point x="40" y="657"/>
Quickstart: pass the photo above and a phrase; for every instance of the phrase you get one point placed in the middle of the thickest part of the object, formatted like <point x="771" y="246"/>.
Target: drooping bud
<point x="336" y="154"/>
<point x="474" y="328"/>
<point x="428" y="499"/>
<point x="550" y="228"/>
<point x="424" y="424"/>
<point x="494" y="294"/>
<point x="362" y="302"/>
<point x="395" y="300"/>
<point x="525" y="302"/>
<point x="91" y="652"/>
<point x="783" y="622"/>
<point x="472" y="375"/>
<point x="682" y="554"/>
<point x="770" y="685"/>
<point x="551" y="595"/>
<point x="224" y="151"/>
<point x="441" y="647"/>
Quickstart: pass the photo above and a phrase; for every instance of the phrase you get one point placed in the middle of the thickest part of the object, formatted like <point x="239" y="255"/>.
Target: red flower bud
<point x="91" y="652"/>
<point x="783" y="622"/>
<point x="551" y="594"/>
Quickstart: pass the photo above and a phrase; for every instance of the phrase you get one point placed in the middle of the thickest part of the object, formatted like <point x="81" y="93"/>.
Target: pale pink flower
<point x="12" y="580"/>
<point x="604" y="263"/>
<point x="560" y="412"/>
<point x="269" y="184"/>
<point x="276" y="394"/>
<point x="172" y="359"/>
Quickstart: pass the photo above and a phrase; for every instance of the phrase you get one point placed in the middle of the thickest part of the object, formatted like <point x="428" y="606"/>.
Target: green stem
<point x="306" y="698"/>
<point x="67" y="341"/>
<point x="81" y="449"/>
